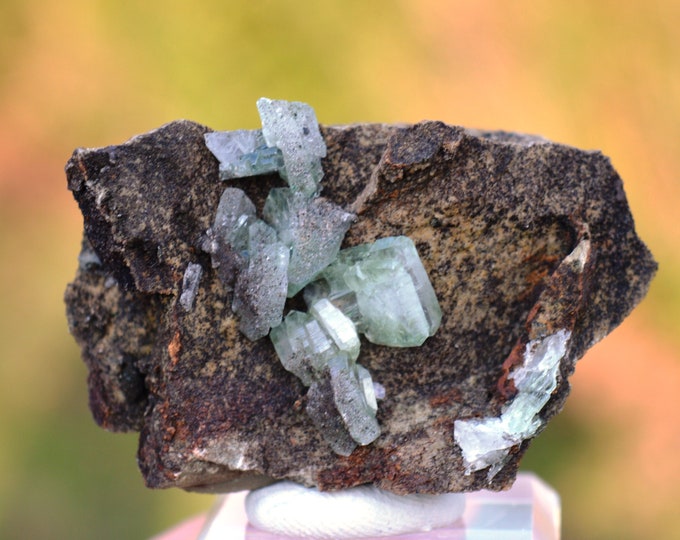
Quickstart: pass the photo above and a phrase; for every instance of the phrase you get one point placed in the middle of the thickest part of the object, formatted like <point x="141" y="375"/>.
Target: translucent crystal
<point x="323" y="412"/>
<point x="243" y="153"/>
<point x="292" y="127"/>
<point x="302" y="346"/>
<point x="262" y="160"/>
<point x="337" y="326"/>
<point x="384" y="289"/>
<point x="487" y="442"/>
<point x="350" y="400"/>
<point x="390" y="309"/>
<point x="305" y="342"/>
<point x="405" y="251"/>
<point x="260" y="291"/>
<point x="190" y="282"/>
<point x="235" y="213"/>
<point x="368" y="388"/>
<point x="312" y="228"/>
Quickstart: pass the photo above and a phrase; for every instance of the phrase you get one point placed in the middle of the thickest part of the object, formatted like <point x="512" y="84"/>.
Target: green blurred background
<point x="595" y="74"/>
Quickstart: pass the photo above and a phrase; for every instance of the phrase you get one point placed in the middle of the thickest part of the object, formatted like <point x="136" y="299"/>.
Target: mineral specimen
<point x="525" y="242"/>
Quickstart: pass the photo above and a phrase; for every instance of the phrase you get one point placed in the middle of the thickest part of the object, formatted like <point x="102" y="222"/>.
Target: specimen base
<point x="530" y="510"/>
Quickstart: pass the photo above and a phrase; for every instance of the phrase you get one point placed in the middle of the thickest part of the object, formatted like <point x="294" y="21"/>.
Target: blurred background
<point x="597" y="74"/>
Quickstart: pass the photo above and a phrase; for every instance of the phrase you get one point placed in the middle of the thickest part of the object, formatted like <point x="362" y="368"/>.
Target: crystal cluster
<point x="486" y="442"/>
<point x="379" y="289"/>
<point x="321" y="348"/>
<point x="267" y="260"/>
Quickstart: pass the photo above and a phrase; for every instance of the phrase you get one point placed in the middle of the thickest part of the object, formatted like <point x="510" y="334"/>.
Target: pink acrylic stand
<point x="530" y="510"/>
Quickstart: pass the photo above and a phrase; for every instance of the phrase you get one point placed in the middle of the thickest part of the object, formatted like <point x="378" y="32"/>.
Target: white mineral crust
<point x="486" y="442"/>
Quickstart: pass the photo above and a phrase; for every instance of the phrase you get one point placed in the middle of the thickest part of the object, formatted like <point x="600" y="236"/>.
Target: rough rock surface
<point x="521" y="238"/>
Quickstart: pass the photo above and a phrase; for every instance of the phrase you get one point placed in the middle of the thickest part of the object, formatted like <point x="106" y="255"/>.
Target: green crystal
<point x="404" y="249"/>
<point x="305" y="342"/>
<point x="486" y="442"/>
<point x="302" y="346"/>
<point x="388" y="302"/>
<point x="350" y="400"/>
<point x="379" y="289"/>
<point x="384" y="289"/>
<point x="243" y="153"/>
<point x="235" y="214"/>
<point x="292" y="127"/>
<point x="323" y="412"/>
<point x="260" y="291"/>
<point x="312" y="228"/>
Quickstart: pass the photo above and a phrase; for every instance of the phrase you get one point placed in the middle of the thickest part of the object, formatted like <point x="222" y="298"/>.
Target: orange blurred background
<point x="593" y="74"/>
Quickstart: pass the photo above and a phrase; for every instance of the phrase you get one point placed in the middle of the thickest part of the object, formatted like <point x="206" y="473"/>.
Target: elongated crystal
<point x="323" y="411"/>
<point x="337" y="326"/>
<point x="292" y="127"/>
<point x="260" y="291"/>
<point x="243" y="153"/>
<point x="305" y="342"/>
<point x="403" y="249"/>
<point x="368" y="388"/>
<point x="350" y="400"/>
<point x="190" y="282"/>
<point x="312" y="228"/>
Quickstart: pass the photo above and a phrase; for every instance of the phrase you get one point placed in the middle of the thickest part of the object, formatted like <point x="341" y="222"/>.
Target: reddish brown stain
<point x="174" y="348"/>
<point x="452" y="395"/>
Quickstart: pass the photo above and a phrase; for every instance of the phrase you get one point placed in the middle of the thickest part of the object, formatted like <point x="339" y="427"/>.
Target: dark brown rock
<point x="495" y="217"/>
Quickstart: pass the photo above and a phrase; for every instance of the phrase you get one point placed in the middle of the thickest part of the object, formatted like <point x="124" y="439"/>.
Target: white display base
<point x="530" y="510"/>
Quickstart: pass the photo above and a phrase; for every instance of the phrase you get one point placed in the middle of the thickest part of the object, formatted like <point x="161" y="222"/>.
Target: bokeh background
<point x="591" y="73"/>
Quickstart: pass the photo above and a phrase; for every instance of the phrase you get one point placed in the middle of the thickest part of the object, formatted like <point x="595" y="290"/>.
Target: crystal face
<point x="340" y="329"/>
<point x="260" y="291"/>
<point x="302" y="346"/>
<point x="292" y="127"/>
<point x="305" y="342"/>
<point x="235" y="213"/>
<point x="351" y="400"/>
<point x="384" y="289"/>
<point x="323" y="412"/>
<point x="487" y="442"/>
<point x="312" y="228"/>
<point x="243" y="153"/>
